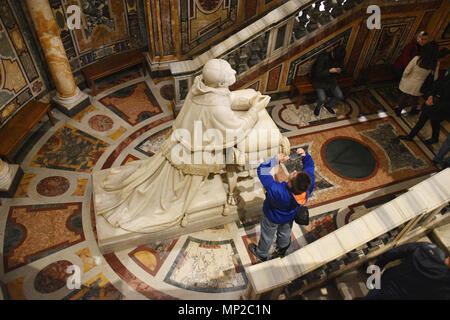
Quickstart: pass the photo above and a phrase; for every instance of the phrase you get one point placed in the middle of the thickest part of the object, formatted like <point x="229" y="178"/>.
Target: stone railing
<point x="270" y="37"/>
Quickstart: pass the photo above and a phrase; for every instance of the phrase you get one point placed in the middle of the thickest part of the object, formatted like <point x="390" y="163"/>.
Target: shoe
<point x="407" y="138"/>
<point x="330" y="110"/>
<point x="252" y="248"/>
<point x="398" y="111"/>
<point x="316" y="111"/>
<point x="281" y="252"/>
<point x="430" y="141"/>
<point x="414" y="111"/>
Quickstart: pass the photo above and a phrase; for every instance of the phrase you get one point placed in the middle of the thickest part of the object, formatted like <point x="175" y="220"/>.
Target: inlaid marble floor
<point x="49" y="226"/>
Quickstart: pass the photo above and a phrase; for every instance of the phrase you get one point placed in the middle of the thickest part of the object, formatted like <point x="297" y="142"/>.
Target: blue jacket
<point x="278" y="206"/>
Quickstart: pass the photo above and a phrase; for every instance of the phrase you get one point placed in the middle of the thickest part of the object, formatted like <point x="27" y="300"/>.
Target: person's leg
<point x="445" y="148"/>
<point x="321" y="98"/>
<point x="337" y="96"/>
<point x="435" y="128"/>
<point x="402" y="102"/>
<point x="413" y="103"/>
<point x="283" y="238"/>
<point x="268" y="229"/>
<point x="419" y="125"/>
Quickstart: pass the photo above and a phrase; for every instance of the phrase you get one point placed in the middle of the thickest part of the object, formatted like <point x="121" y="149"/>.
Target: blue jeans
<point x="268" y="229"/>
<point x="445" y="148"/>
<point x="322" y="97"/>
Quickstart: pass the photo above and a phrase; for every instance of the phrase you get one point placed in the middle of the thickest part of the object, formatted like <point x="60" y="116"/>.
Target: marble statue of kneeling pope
<point x="215" y="129"/>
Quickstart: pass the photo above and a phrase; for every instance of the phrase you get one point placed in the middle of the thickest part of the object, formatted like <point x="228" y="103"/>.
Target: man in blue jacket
<point x="281" y="203"/>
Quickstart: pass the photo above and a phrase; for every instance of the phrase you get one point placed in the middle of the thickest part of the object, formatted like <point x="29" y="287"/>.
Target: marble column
<point x="10" y="176"/>
<point x="69" y="98"/>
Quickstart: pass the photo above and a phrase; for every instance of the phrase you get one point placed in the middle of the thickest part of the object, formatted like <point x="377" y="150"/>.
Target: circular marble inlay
<point x="349" y="158"/>
<point x="52" y="186"/>
<point x="101" y="123"/>
<point x="53" y="277"/>
<point x="168" y="92"/>
<point x="209" y="5"/>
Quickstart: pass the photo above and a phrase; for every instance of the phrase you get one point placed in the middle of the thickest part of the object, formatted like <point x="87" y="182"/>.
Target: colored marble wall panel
<point x="17" y="66"/>
<point x="166" y="27"/>
<point x="273" y="79"/>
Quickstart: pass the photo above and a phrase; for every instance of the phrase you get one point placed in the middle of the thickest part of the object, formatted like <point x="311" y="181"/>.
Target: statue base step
<point x="206" y="211"/>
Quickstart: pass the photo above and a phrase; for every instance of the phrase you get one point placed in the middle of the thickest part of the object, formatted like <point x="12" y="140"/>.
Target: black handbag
<point x="302" y="214"/>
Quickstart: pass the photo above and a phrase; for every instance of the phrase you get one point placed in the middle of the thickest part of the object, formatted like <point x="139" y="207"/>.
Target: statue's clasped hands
<point x="259" y="101"/>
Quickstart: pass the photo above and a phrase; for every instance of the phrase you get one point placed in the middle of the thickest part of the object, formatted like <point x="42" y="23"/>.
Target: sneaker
<point x="398" y="111"/>
<point x="317" y="111"/>
<point x="281" y="252"/>
<point x="252" y="247"/>
<point x="407" y="138"/>
<point x="330" y="110"/>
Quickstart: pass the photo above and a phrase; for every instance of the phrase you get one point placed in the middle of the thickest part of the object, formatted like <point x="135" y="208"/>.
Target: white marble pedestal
<point x="10" y="179"/>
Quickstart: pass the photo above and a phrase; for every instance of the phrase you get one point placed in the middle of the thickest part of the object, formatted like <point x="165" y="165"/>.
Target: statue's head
<point x="217" y="73"/>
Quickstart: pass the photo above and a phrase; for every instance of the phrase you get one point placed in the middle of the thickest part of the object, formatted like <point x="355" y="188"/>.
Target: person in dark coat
<point x="424" y="273"/>
<point x="323" y="75"/>
<point x="411" y="50"/>
<point x="436" y="108"/>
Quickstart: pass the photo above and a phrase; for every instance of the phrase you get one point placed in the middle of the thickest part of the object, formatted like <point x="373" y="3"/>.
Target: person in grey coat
<point x="414" y="76"/>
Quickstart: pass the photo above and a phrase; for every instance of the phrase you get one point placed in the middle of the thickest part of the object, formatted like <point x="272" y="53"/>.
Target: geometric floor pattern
<point x="48" y="235"/>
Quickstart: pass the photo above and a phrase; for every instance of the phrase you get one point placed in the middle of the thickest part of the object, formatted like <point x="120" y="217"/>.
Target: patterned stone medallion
<point x="168" y="92"/>
<point x="52" y="186"/>
<point x="208" y="266"/>
<point x="52" y="277"/>
<point x="101" y="123"/>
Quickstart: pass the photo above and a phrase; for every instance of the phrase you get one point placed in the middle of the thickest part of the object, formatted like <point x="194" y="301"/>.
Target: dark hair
<point x="301" y="183"/>
<point x="428" y="57"/>
<point x="339" y="53"/>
